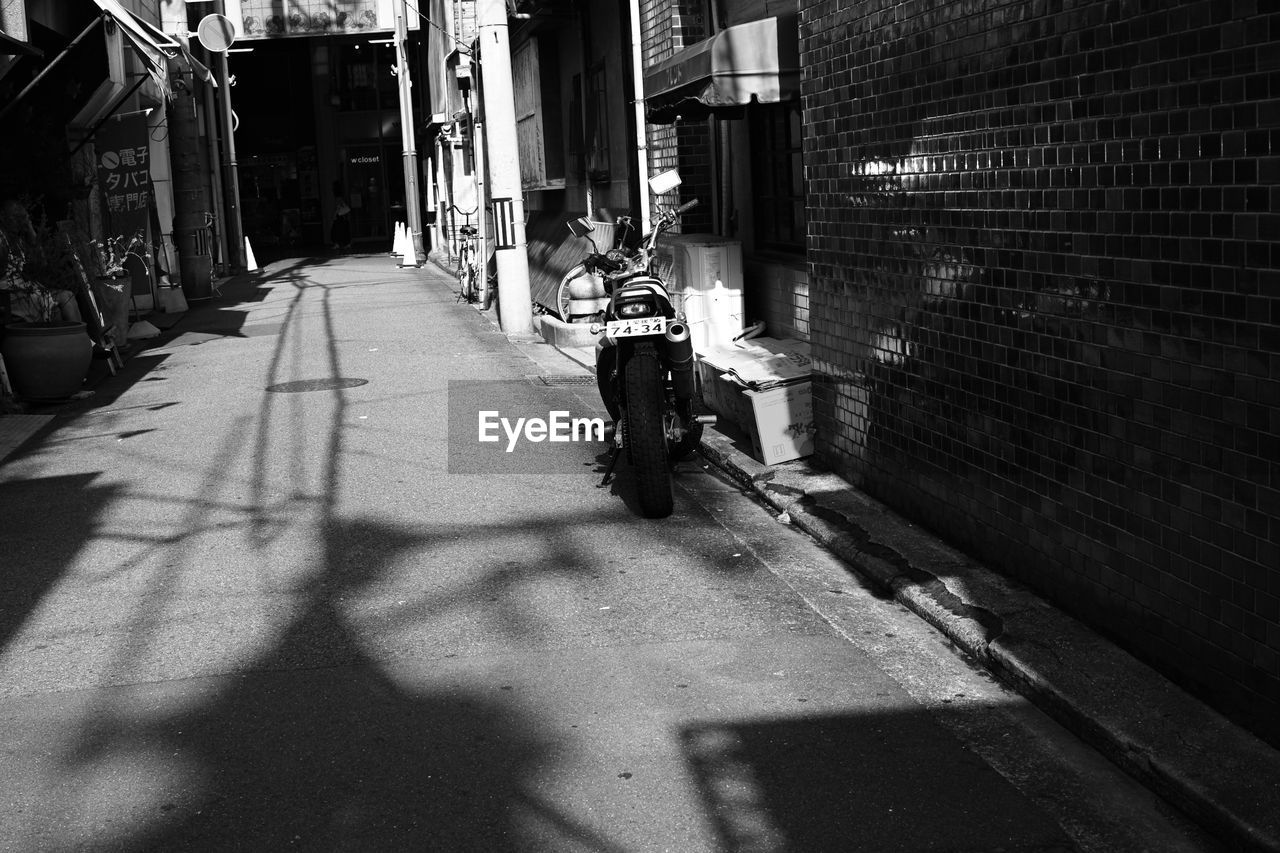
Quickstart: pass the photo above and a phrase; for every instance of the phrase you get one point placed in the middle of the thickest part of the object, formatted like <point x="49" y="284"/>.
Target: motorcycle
<point x="644" y="358"/>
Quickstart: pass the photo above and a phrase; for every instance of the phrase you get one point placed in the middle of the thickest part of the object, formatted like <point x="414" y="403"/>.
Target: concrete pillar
<point x="231" y="174"/>
<point x="504" y="194"/>
<point x="412" y="201"/>
<point x="190" y="198"/>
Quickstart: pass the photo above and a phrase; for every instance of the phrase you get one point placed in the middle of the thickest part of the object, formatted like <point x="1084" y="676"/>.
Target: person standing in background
<point x="340" y="233"/>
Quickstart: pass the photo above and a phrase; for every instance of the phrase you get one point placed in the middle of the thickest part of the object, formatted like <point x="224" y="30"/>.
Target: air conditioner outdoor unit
<point x="704" y="273"/>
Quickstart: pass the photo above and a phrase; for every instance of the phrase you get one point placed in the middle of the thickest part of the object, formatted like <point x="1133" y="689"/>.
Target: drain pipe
<point x="642" y="138"/>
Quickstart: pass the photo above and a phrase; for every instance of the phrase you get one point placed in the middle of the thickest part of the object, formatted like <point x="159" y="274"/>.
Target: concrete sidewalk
<point x="1217" y="773"/>
<point x="1220" y="775"/>
<point x="1224" y="778"/>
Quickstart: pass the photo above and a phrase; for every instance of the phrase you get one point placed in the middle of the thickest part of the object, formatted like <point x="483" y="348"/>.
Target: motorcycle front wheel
<point x="646" y="438"/>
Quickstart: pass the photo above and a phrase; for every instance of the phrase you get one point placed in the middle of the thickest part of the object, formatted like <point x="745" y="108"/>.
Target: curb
<point x="1222" y="777"/>
<point x="565" y="335"/>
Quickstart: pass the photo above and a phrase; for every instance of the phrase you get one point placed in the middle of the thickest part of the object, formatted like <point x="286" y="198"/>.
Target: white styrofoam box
<point x="704" y="275"/>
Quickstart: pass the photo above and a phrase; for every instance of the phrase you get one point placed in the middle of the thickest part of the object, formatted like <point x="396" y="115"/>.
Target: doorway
<point x="374" y="179"/>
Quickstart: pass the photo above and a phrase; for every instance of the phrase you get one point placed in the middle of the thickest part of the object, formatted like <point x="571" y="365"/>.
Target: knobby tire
<point x="646" y="438"/>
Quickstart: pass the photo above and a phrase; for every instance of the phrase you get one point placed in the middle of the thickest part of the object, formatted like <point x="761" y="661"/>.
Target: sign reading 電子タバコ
<point x="124" y="172"/>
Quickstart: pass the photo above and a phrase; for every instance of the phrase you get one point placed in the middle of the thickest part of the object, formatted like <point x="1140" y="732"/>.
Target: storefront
<point x="746" y="78"/>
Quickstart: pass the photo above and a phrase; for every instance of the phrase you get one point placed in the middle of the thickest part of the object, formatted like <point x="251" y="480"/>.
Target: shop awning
<point x="758" y="62"/>
<point x="10" y="46"/>
<point x="153" y="46"/>
<point x="198" y="69"/>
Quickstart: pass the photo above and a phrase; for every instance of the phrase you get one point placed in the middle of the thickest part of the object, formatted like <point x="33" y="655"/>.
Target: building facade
<point x="1034" y="250"/>
<point x="1044" y="284"/>
<point x="71" y="75"/>
<point x="316" y="115"/>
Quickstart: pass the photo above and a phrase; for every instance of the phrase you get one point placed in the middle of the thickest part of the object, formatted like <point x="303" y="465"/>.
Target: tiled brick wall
<point x="778" y="294"/>
<point x="1044" y="252"/>
<point x="665" y="27"/>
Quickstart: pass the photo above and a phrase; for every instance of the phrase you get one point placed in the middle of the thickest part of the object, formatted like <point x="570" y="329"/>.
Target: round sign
<point x="216" y="32"/>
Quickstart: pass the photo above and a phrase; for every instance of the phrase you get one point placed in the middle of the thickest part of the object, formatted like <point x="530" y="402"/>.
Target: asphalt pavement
<point x="264" y="590"/>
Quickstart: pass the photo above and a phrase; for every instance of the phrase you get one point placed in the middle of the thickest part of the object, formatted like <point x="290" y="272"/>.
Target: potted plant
<point x="45" y="346"/>
<point x="114" y="283"/>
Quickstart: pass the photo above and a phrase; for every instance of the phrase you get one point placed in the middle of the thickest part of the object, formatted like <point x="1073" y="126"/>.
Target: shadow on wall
<point x="1037" y="330"/>
<point x="986" y="377"/>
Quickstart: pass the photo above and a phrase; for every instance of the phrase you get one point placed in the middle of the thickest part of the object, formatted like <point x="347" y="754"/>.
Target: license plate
<point x="635" y="327"/>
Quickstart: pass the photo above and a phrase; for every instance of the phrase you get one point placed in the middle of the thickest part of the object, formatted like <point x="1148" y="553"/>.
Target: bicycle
<point x="466" y="269"/>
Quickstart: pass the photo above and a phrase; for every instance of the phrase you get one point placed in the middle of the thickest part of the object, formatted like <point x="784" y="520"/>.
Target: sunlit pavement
<point x="256" y="597"/>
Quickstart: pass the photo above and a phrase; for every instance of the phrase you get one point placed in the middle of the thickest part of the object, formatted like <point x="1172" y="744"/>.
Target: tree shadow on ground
<point x="47" y="521"/>
<point x="314" y="747"/>
<point x="875" y="781"/>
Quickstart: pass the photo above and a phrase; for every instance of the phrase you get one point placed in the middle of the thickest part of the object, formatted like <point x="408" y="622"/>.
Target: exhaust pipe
<point x="679" y="349"/>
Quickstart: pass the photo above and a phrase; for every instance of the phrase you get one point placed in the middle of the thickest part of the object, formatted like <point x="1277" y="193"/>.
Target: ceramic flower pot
<point x="46" y="361"/>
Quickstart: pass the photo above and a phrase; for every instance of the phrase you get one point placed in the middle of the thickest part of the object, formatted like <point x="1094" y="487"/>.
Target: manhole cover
<point x="558" y="381"/>
<point x="316" y="385"/>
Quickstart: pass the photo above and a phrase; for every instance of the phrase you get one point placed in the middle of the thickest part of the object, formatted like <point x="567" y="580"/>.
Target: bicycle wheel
<point x="467" y="278"/>
<point x="460" y="272"/>
<point x="562" y="292"/>
<point x="564" y="296"/>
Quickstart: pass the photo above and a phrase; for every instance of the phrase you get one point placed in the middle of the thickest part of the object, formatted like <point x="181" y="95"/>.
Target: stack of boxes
<point x="762" y="387"/>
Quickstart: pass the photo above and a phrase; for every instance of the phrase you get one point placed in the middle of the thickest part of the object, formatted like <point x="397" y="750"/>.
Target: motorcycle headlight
<point x="635" y="309"/>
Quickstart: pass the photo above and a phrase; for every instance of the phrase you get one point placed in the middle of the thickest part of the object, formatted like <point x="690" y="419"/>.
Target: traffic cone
<point x="408" y="257"/>
<point x="250" y="263"/>
<point x="397" y="241"/>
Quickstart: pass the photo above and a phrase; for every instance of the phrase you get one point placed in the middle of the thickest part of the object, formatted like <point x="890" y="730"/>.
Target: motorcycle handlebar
<point x="688" y="205"/>
<point x="601" y="263"/>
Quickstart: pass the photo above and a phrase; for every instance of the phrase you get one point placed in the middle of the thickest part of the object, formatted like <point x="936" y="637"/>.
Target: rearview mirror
<point x="664" y="182"/>
<point x="581" y="227"/>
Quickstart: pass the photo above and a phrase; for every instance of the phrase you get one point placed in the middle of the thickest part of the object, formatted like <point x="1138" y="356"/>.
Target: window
<point x="535" y="73"/>
<point x="777" y="177"/>
<point x="597" y="140"/>
<point x="361" y="79"/>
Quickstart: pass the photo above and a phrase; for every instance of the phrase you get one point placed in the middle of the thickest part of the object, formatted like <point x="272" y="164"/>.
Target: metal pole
<point x="482" y="227"/>
<point x="219" y="211"/>
<point x="411" y="201"/>
<point x="642" y="136"/>
<point x="231" y="180"/>
<point x="515" y="312"/>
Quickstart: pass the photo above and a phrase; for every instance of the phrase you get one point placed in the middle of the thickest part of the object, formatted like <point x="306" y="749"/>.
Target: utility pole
<point x="515" y="313"/>
<point x="413" y="208"/>
<point x="231" y="175"/>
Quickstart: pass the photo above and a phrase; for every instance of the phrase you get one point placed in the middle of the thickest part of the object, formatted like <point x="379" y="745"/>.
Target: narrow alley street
<point x="258" y="598"/>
